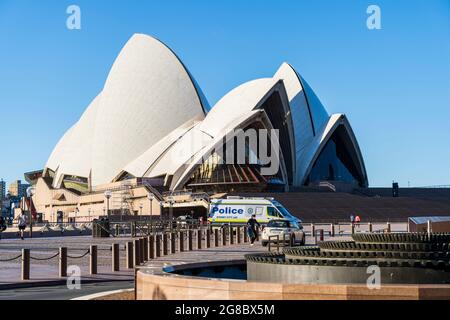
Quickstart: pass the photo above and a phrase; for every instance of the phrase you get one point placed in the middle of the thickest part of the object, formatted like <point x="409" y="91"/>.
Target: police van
<point x="238" y="210"/>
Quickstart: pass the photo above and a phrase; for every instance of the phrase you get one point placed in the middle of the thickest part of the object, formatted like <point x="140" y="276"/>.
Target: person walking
<point x="22" y="224"/>
<point x="3" y="226"/>
<point x="357" y="221"/>
<point x="252" y="229"/>
<point x="352" y="219"/>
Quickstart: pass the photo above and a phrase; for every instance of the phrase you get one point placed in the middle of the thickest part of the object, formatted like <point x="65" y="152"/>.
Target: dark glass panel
<point x="335" y="164"/>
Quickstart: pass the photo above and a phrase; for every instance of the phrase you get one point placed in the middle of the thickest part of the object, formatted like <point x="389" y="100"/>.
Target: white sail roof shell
<point x="148" y="94"/>
<point x="149" y="120"/>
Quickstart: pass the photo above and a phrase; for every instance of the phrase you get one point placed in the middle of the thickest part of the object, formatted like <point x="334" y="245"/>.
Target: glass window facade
<point x="335" y="164"/>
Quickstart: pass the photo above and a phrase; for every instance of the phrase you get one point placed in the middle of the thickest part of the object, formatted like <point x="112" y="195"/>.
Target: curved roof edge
<point x="201" y="96"/>
<point x="310" y="155"/>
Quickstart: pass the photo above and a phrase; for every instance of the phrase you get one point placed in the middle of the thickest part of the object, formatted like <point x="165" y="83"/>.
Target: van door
<point x="272" y="213"/>
<point x="259" y="212"/>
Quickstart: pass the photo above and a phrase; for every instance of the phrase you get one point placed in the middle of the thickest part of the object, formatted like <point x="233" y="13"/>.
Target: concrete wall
<point x="173" y="287"/>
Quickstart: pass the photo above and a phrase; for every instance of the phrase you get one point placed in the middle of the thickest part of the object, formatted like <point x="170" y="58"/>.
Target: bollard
<point x="332" y="230"/>
<point x="224" y="236"/>
<point x="136" y="253"/>
<point x="25" y="264"/>
<point x="145" y="245"/>
<point x="62" y="262"/>
<point x="353" y="228"/>
<point x="245" y="235"/>
<point x="93" y="260"/>
<point x="239" y="239"/>
<point x="130" y="249"/>
<point x="158" y="246"/>
<point x="208" y="238"/>
<point x="313" y="230"/>
<point x="429" y="227"/>
<point x="173" y="239"/>
<point x="190" y="236"/>
<point x="142" y="250"/>
<point x="370" y="227"/>
<point x="322" y="236"/>
<point x="216" y="238"/>
<point x="199" y="239"/>
<point x="181" y="241"/>
<point x="117" y="230"/>
<point x="388" y="227"/>
<point x="115" y="257"/>
<point x="165" y="244"/>
<point x="151" y="247"/>
<point x="231" y="235"/>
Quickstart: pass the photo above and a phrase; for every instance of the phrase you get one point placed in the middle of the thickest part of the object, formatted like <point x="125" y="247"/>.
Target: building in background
<point x="2" y="190"/>
<point x="123" y="142"/>
<point x="18" y="189"/>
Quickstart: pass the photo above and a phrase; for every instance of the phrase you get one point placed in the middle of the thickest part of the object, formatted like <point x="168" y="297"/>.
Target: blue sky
<point x="392" y="83"/>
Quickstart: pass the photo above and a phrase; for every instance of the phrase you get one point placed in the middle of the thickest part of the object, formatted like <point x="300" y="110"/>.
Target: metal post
<point x="190" y="236"/>
<point x="115" y="257"/>
<point x="62" y="262"/>
<point x="224" y="236"/>
<point x="181" y="243"/>
<point x="117" y="230"/>
<point x="239" y="239"/>
<point x="353" y="228"/>
<point x="151" y="215"/>
<point x="130" y="250"/>
<point x="171" y="214"/>
<point x="199" y="239"/>
<point x="173" y="239"/>
<point x="231" y="235"/>
<point x="429" y="227"/>
<point x="25" y="264"/>
<point x="151" y="247"/>
<point x="216" y="238"/>
<point x="158" y="245"/>
<point x="388" y="227"/>
<point x="370" y="227"/>
<point x="332" y="231"/>
<point x="93" y="260"/>
<point x="136" y="252"/>
<point x="141" y="250"/>
<point x="322" y="236"/>
<point x="144" y="249"/>
<point x="208" y="238"/>
<point x="313" y="230"/>
<point x="165" y="244"/>
<point x="246" y="235"/>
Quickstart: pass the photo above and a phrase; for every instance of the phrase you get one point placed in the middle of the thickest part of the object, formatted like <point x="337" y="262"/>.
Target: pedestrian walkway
<point x="46" y="271"/>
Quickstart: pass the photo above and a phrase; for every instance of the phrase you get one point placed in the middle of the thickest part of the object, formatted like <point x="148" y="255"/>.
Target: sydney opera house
<point x="151" y="132"/>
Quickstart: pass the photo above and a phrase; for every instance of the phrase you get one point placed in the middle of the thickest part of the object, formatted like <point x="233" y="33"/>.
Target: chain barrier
<point x="11" y="259"/>
<point x="80" y="257"/>
<point x="45" y="259"/>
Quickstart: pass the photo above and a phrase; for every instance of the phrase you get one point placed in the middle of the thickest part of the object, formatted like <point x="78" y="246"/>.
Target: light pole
<point x="30" y="193"/>
<point x="171" y="203"/>
<point x="108" y="195"/>
<point x="151" y="197"/>
<point x="76" y="211"/>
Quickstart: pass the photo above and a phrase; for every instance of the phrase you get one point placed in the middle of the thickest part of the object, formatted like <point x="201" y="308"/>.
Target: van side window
<point x="271" y="212"/>
<point x="259" y="211"/>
